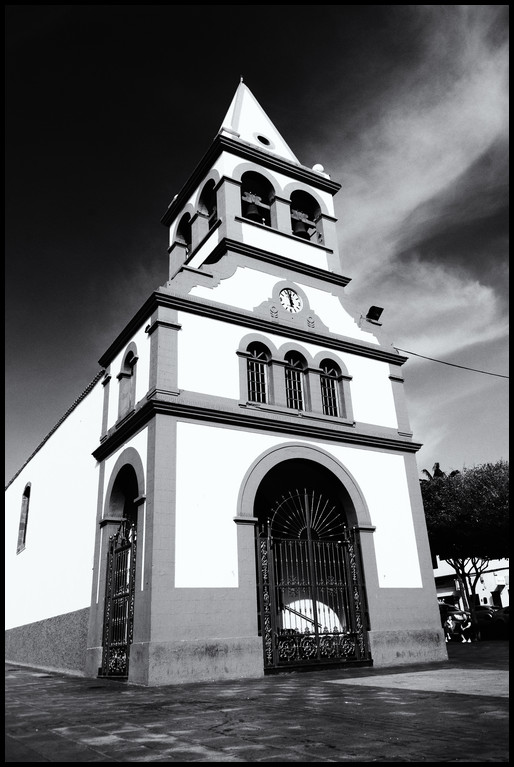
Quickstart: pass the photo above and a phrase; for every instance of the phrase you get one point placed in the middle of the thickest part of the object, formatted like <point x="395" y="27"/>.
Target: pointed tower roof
<point x="248" y="121"/>
<point x="248" y="132"/>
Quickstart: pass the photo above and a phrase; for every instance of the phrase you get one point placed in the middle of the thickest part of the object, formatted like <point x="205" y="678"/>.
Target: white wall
<point x="52" y="575"/>
<point x="211" y="464"/>
<point x="208" y="364"/>
<point x="207" y="360"/>
<point x="248" y="288"/>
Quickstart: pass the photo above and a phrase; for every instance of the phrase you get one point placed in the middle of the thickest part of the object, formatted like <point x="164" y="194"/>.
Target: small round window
<point x="264" y="140"/>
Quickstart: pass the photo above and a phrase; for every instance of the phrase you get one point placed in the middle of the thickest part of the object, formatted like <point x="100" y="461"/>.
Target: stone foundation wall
<point x="54" y="644"/>
<point x="396" y="648"/>
<point x="196" y="660"/>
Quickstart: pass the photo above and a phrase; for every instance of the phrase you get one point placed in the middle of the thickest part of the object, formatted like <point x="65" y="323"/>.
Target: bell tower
<point x="263" y="402"/>
<point x="250" y="188"/>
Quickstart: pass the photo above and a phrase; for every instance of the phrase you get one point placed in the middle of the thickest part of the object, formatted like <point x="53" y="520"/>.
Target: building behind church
<point x="236" y="492"/>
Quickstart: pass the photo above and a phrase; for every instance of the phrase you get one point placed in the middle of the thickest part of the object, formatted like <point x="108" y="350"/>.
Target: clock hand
<point x="290" y="299"/>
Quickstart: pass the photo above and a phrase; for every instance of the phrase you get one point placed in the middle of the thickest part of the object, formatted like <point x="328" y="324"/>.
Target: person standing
<point x="465" y="629"/>
<point x="448" y="629"/>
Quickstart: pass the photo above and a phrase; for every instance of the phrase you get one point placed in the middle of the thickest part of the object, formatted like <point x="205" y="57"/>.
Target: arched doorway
<point x="120" y="574"/>
<point x="311" y="595"/>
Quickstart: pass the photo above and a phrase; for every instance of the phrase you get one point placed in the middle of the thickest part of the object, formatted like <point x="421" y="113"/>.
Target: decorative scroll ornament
<point x="118" y="662"/>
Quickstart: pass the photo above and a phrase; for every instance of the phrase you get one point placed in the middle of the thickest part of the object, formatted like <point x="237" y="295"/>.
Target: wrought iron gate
<point x="119" y="601"/>
<point x="311" y="592"/>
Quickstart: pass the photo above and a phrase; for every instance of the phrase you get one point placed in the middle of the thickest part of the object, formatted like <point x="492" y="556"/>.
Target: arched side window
<point x="330" y="388"/>
<point x="256" y="372"/>
<point x="305" y="212"/>
<point x="256" y="196"/>
<point x="295" y="381"/>
<point x="127" y="379"/>
<point x="24" y="518"/>
<point x="207" y="204"/>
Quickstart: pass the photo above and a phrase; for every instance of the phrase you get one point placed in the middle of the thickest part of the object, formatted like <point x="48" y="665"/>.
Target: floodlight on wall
<point x="374" y="314"/>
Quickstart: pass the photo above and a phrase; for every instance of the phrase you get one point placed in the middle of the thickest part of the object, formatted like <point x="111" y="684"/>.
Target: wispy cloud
<point x="431" y="132"/>
<point x="423" y="193"/>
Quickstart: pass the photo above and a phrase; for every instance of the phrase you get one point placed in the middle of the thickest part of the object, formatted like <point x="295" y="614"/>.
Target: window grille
<point x="294" y="382"/>
<point x="332" y="399"/>
<point x="256" y="373"/>
<point x="329" y="378"/>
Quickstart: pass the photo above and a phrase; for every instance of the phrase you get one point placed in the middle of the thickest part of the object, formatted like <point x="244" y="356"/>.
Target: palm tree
<point x="437" y="473"/>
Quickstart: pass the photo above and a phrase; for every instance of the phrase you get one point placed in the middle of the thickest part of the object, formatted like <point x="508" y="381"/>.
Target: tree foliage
<point x="467" y="513"/>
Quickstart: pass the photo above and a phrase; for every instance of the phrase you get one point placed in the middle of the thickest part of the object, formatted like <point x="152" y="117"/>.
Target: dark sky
<point x="109" y="108"/>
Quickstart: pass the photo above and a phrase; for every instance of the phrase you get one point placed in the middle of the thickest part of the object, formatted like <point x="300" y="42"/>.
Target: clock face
<point x="290" y="300"/>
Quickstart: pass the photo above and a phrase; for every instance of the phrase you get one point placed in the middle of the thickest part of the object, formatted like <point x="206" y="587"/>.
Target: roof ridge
<point x="79" y="399"/>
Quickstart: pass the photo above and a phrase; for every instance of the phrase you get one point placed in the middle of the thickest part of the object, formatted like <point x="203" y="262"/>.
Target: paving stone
<point x="455" y="711"/>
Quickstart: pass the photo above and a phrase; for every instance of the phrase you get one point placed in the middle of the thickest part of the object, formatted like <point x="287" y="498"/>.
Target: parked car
<point x="458" y="616"/>
<point x="500" y="623"/>
<point x="484" y="615"/>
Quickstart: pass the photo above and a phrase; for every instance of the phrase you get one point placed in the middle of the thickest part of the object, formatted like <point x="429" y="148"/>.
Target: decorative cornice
<point x="245" y="319"/>
<point x="247" y="152"/>
<point x="162" y="323"/>
<point x="295" y="426"/>
<point x="250" y="251"/>
<point x="109" y="521"/>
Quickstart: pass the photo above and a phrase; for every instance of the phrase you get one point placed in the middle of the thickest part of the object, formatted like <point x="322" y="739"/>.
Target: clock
<point x="290" y="300"/>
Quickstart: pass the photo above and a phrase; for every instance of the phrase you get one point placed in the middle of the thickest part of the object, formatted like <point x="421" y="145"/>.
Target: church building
<point x="236" y="492"/>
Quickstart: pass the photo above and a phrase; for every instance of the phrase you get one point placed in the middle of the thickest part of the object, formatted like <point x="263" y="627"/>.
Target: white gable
<point x="248" y="121"/>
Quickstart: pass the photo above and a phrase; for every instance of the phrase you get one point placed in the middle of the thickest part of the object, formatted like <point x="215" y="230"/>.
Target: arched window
<point x="329" y="379"/>
<point x="256" y="196"/>
<point x="24" y="518"/>
<point x="127" y="379"/>
<point x="305" y="212"/>
<point x="208" y="204"/>
<point x="256" y="372"/>
<point x="295" y="380"/>
<point x="184" y="232"/>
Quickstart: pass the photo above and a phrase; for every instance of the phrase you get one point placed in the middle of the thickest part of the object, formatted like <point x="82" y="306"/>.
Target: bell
<point x="252" y="212"/>
<point x="300" y="230"/>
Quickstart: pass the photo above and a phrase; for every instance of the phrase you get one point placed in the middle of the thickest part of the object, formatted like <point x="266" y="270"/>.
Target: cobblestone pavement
<point x="455" y="711"/>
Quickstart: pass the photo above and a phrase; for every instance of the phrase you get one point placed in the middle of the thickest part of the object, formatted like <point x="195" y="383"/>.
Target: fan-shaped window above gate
<point x="256" y="196"/>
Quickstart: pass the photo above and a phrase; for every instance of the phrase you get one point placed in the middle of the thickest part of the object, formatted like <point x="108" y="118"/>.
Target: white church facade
<point x="245" y="494"/>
